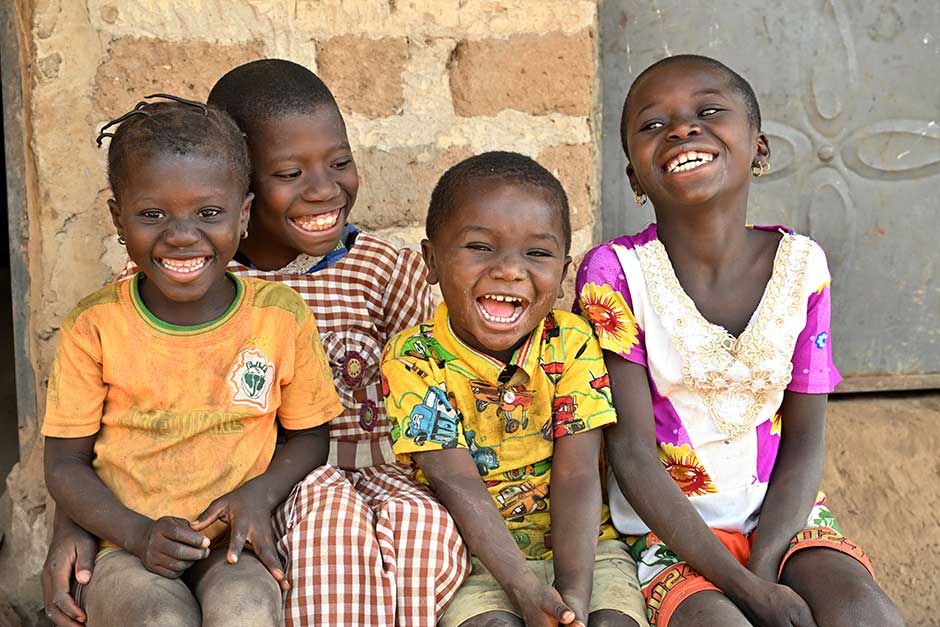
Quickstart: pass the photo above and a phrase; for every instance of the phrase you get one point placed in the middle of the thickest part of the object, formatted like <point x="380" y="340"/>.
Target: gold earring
<point x="760" y="168"/>
<point x="245" y="234"/>
<point x="121" y="240"/>
<point x="639" y="198"/>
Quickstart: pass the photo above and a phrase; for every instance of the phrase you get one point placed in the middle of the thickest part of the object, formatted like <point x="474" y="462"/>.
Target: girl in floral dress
<point x="716" y="338"/>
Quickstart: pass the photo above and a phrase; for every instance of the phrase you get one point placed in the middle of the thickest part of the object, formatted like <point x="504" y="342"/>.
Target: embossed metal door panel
<point x="850" y="96"/>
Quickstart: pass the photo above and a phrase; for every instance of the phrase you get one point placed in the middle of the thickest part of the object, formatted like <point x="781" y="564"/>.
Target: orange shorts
<point x="667" y="581"/>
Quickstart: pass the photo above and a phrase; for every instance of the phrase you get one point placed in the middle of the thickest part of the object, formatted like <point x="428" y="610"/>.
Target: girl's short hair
<point x="175" y="127"/>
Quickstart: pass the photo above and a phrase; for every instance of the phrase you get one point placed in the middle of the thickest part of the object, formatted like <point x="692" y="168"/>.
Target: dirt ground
<point x="882" y="476"/>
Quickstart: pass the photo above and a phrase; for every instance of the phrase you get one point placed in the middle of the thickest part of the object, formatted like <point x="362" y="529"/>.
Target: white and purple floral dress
<point x="716" y="397"/>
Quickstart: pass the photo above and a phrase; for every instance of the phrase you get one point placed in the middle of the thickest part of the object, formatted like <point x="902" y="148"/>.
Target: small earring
<point x="639" y="198"/>
<point x="121" y="240"/>
<point x="760" y="168"/>
<point x="245" y="234"/>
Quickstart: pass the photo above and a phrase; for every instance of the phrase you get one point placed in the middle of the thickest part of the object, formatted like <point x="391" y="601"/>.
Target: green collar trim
<point x="185" y="330"/>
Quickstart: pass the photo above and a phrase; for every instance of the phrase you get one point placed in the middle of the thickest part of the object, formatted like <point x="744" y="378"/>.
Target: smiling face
<point x="688" y="136"/>
<point x="305" y="183"/>
<point x="182" y="217"/>
<point x="500" y="260"/>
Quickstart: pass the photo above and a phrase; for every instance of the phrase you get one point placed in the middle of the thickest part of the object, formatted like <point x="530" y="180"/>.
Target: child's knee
<point x="864" y="605"/>
<point x="493" y="619"/>
<point x="245" y="593"/>
<point x="157" y="607"/>
<point x="610" y="618"/>
<point x="123" y="592"/>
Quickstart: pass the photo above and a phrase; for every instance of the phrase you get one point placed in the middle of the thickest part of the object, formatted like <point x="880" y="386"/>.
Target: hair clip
<point x="192" y="103"/>
<point x="139" y="109"/>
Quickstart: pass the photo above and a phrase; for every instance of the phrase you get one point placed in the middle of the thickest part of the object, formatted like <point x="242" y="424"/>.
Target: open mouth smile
<point x="191" y="265"/>
<point x="689" y="160"/>
<point x="318" y="222"/>
<point x="501" y="308"/>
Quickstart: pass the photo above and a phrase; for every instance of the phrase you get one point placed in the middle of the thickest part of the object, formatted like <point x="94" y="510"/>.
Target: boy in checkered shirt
<point x="364" y="543"/>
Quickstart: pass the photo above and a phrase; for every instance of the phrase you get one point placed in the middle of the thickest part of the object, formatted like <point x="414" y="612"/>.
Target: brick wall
<point x="422" y="83"/>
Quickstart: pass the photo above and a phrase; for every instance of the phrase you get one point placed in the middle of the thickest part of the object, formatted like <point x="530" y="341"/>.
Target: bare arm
<point x="247" y="509"/>
<point x="454" y="478"/>
<point x="632" y="453"/>
<point x="71" y="553"/>
<point x="794" y="482"/>
<point x="166" y="546"/>
<point x="300" y="454"/>
<point x="576" y="514"/>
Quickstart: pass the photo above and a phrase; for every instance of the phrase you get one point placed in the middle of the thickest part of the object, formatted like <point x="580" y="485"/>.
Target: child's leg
<point x="705" y="609"/>
<point x="610" y="618"/>
<point x="676" y="594"/>
<point x="494" y="619"/>
<point x="333" y="561"/>
<point x="481" y="602"/>
<point x="834" y="576"/>
<point x="123" y="592"/>
<point x="839" y="590"/>
<point x="616" y="597"/>
<point x="230" y="595"/>
<point x="420" y="543"/>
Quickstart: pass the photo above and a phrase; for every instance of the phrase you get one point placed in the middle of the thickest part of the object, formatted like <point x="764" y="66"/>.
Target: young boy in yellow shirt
<point x="499" y="400"/>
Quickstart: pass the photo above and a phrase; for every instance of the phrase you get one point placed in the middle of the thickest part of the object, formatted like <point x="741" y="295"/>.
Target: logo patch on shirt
<point x="251" y="379"/>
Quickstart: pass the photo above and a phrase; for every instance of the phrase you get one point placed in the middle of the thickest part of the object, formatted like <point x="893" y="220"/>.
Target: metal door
<point x="850" y="95"/>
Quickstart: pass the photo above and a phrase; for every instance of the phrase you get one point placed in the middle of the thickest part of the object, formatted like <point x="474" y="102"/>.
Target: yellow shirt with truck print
<point x="441" y="393"/>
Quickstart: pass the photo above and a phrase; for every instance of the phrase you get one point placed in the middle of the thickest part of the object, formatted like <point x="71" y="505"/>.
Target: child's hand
<point x="170" y="546"/>
<point x="72" y="551"/>
<point x="776" y="605"/>
<point x="543" y="607"/>
<point x="764" y="567"/>
<point x="577" y="605"/>
<point x="249" y="521"/>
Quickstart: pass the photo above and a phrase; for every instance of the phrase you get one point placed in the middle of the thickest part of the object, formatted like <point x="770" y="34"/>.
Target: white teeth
<point x="319" y="222"/>
<point x="515" y="315"/>
<point x="502" y="299"/>
<point x="184" y="266"/>
<point x="517" y="312"/>
<point x="688" y="161"/>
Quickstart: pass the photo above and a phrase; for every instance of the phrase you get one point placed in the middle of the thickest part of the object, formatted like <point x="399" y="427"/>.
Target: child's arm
<point x="794" y="483"/>
<point x="797" y="470"/>
<point x="456" y="482"/>
<point x="166" y="546"/>
<point x="576" y="514"/>
<point x="247" y="510"/>
<point x="631" y="452"/>
<point x="71" y="552"/>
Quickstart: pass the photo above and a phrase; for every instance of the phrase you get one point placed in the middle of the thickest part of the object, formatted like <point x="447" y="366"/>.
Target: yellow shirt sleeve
<point x="424" y="416"/>
<point x="582" y="395"/>
<point x="309" y="399"/>
<point x="76" y="393"/>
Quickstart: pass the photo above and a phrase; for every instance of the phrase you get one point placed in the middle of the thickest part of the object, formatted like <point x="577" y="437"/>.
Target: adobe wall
<point x="422" y="83"/>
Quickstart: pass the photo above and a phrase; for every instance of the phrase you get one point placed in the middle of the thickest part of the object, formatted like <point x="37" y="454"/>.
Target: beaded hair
<point x="175" y="127"/>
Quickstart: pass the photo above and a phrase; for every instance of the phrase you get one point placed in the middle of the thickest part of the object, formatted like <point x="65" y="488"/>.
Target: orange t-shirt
<point x="184" y="415"/>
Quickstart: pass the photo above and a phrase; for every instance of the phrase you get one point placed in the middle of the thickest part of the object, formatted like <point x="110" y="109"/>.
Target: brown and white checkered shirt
<point x="359" y="303"/>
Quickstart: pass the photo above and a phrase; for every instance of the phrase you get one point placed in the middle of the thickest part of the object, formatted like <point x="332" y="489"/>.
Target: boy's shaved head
<point x="510" y="167"/>
<point x="735" y="80"/>
<point x="258" y="91"/>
